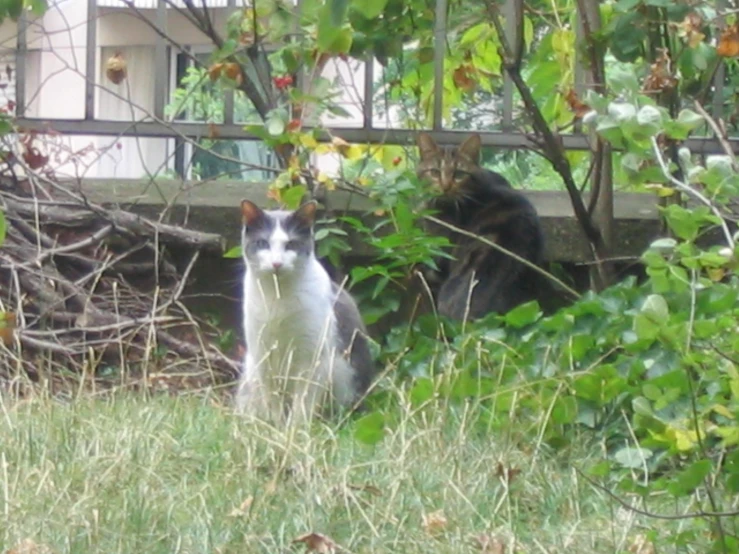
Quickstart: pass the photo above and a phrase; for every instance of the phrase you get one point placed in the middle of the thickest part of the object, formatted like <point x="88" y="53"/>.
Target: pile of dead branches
<point x="92" y="291"/>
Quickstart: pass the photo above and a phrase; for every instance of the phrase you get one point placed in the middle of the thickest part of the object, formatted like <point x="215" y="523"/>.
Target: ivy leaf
<point x="370" y="429"/>
<point x="649" y="115"/>
<point x="682" y="221"/>
<point x="333" y="38"/>
<point x="689" y="118"/>
<point x="632" y="457"/>
<point x="275" y="126"/>
<point x="292" y="196"/>
<point x="655" y="307"/>
<point x="690" y="478"/>
<point x="523" y="315"/>
<point x="337" y="9"/>
<point x="422" y="391"/>
<point x="370" y="9"/>
<point x="234" y="252"/>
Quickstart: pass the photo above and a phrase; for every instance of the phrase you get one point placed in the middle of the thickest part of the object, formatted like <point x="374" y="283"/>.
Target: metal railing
<point x="157" y="126"/>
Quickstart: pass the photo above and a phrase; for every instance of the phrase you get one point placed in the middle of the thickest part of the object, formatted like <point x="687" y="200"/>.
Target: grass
<point x="183" y="474"/>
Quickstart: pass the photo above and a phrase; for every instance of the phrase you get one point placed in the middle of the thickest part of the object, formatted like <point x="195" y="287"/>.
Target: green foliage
<point x="647" y="369"/>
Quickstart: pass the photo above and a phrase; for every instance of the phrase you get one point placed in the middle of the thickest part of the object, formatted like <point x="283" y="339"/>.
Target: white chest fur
<point x="293" y="361"/>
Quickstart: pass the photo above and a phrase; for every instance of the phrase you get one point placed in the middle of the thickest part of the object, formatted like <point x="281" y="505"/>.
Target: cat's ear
<point x="251" y="213"/>
<point x="470" y="148"/>
<point x="427" y="146"/>
<point x="306" y="214"/>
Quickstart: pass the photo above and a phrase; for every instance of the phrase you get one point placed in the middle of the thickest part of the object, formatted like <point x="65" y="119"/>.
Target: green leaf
<point x="370" y="429"/>
<point x="655" y="307"/>
<point x="641" y="406"/>
<point x="370" y="9"/>
<point x="422" y="391"/>
<point x="233" y="252"/>
<point x="682" y="221"/>
<point x="564" y="410"/>
<point x="523" y="315"/>
<point x="664" y="245"/>
<point x="3" y="228"/>
<point x="275" y="126"/>
<point x="633" y="458"/>
<point x="649" y="115"/>
<point x="333" y="38"/>
<point x="685" y="482"/>
<point x="689" y="118"/>
<point x="292" y="196"/>
<point x="645" y="328"/>
<point x="337" y="9"/>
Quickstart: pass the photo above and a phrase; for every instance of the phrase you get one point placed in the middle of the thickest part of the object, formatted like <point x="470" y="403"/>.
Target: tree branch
<point x="550" y="142"/>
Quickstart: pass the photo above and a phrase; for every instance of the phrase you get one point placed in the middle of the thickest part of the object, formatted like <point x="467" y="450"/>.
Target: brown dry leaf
<point x="660" y="74"/>
<point x="7" y="326"/>
<point x="315" y="542"/>
<point x="507" y="474"/>
<point x="690" y="29"/>
<point x="243" y="509"/>
<point x="28" y="546"/>
<point x="233" y="71"/>
<point x="464" y="77"/>
<point x="115" y="68"/>
<point x="728" y="44"/>
<point x="214" y="71"/>
<point x="274" y="194"/>
<point x="642" y="545"/>
<point x="577" y="106"/>
<point x="213" y="131"/>
<point x="435" y="522"/>
<point x="489" y="544"/>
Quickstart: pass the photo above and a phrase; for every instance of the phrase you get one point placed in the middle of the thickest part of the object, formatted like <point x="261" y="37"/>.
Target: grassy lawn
<point x="131" y="474"/>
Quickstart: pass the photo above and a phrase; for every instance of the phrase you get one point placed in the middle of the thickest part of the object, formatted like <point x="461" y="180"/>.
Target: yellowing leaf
<point x="308" y="141"/>
<point x="715" y="274"/>
<point x="723" y="410"/>
<point x="685" y="440"/>
<point x="354" y="152"/>
<point x="325" y="148"/>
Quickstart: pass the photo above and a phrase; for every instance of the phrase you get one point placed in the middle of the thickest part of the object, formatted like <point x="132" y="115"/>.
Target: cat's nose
<point x="276" y="265"/>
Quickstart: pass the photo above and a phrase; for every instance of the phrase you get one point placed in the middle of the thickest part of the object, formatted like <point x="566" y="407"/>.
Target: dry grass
<point x="183" y="474"/>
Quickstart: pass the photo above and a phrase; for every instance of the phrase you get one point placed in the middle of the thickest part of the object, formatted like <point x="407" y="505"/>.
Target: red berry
<point x="397" y="160"/>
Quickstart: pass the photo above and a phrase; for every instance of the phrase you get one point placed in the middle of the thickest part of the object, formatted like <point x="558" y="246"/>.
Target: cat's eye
<point x="459" y="174"/>
<point x="292" y="245"/>
<point x="261" y="244"/>
<point x="435" y="172"/>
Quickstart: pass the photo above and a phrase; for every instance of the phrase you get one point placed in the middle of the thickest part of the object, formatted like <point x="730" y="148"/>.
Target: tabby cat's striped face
<point x="448" y="169"/>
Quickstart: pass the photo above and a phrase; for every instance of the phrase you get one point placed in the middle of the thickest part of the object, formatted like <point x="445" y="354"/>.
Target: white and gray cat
<point x="306" y="345"/>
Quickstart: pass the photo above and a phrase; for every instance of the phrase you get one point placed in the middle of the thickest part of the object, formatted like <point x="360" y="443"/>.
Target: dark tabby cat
<point x="484" y="203"/>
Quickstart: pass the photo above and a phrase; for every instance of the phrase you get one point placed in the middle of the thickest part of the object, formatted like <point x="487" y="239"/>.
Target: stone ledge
<point x="214" y="207"/>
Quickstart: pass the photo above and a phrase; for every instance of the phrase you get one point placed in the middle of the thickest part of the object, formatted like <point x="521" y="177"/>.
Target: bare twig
<point x="628" y="506"/>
